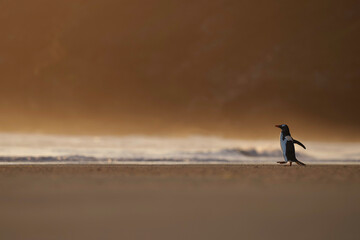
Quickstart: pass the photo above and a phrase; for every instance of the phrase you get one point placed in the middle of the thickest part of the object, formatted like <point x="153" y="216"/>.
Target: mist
<point x="227" y="68"/>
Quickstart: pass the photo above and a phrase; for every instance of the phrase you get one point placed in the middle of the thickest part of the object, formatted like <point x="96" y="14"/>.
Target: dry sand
<point x="179" y="202"/>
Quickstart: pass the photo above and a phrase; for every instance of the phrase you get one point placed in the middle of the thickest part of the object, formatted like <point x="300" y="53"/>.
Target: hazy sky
<point x="232" y="68"/>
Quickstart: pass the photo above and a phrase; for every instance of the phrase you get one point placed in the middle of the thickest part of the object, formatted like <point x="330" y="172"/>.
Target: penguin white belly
<point x="283" y="142"/>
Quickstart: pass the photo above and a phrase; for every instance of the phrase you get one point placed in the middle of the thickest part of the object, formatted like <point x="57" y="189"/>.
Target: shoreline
<point x="156" y="163"/>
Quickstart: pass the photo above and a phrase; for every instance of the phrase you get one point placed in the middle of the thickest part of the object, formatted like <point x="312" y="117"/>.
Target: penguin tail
<point x="300" y="163"/>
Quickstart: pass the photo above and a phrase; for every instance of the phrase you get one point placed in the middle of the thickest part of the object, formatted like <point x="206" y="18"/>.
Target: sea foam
<point x="40" y="149"/>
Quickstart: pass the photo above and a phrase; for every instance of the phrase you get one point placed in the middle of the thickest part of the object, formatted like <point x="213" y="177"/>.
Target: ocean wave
<point x="251" y="152"/>
<point x="22" y="148"/>
<point x="195" y="160"/>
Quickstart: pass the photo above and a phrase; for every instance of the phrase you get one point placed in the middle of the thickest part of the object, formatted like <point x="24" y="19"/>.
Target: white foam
<point x="34" y="148"/>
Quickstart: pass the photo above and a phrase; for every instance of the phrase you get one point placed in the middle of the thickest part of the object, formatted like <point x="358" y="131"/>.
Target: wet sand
<point x="179" y="202"/>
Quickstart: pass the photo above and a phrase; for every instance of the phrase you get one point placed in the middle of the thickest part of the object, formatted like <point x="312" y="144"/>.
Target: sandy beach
<point x="179" y="202"/>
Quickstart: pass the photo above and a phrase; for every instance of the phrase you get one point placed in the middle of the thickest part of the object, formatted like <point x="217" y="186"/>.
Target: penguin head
<point x="283" y="127"/>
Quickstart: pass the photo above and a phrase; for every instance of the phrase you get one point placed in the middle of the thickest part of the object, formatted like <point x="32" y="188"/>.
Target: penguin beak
<point x="279" y="126"/>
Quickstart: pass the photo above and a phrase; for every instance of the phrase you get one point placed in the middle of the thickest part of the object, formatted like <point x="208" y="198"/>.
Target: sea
<point x="138" y="149"/>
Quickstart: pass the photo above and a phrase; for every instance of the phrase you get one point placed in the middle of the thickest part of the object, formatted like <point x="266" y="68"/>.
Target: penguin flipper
<point x="299" y="143"/>
<point x="300" y="163"/>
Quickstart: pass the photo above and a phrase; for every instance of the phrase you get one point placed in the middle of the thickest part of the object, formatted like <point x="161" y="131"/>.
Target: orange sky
<point x="232" y="68"/>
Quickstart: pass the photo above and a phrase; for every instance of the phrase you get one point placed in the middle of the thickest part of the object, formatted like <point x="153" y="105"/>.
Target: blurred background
<point x="227" y="68"/>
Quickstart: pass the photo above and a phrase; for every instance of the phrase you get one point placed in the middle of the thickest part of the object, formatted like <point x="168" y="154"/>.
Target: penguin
<point x="287" y="146"/>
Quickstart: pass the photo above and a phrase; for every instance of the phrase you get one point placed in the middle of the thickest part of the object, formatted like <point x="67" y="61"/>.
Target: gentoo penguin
<point x="287" y="145"/>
